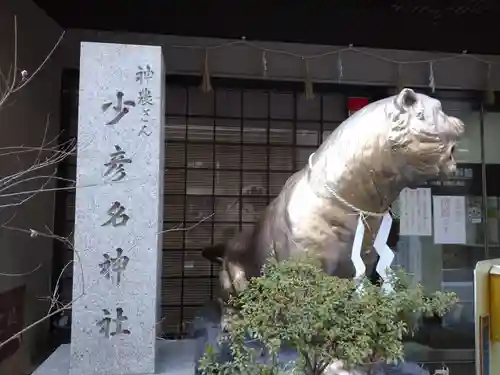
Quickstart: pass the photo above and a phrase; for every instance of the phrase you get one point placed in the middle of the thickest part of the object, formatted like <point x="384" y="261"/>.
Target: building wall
<point x="246" y="62"/>
<point x="22" y="122"/>
<point x="241" y="61"/>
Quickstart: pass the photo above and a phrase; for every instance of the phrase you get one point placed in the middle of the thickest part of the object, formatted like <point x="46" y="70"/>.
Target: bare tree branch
<point x="47" y="153"/>
<point x="11" y="80"/>
<point x="20" y="274"/>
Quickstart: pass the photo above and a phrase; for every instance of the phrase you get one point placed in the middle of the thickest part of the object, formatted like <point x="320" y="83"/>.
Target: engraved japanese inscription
<point x="115" y="165"/>
<point x="107" y="322"/>
<point x="113" y="267"/>
<point x="117" y="216"/>
<point x="145" y="73"/>
<point x="121" y="108"/>
<point x="145" y="98"/>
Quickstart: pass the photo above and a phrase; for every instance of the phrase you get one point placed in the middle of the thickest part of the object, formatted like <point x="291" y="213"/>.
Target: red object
<point x="11" y="320"/>
<point x="355" y="104"/>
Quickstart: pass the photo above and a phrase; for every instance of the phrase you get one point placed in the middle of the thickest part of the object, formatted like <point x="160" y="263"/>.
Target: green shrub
<point x="294" y="304"/>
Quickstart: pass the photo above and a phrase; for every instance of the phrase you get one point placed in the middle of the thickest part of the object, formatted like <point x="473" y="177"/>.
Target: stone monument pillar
<point x="119" y="219"/>
<point x="119" y="210"/>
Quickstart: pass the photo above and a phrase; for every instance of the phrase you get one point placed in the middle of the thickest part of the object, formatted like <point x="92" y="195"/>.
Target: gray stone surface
<point x="117" y="259"/>
<point x="174" y="358"/>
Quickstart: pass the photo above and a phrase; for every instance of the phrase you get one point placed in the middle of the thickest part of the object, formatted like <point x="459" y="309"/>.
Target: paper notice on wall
<point x="415" y="212"/>
<point x="450" y="220"/>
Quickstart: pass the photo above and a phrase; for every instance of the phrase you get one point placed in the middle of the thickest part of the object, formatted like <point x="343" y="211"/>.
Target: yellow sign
<point x="487" y="315"/>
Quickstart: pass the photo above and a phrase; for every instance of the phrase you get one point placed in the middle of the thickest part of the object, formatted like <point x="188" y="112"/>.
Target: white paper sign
<point x="450" y="220"/>
<point x="415" y="212"/>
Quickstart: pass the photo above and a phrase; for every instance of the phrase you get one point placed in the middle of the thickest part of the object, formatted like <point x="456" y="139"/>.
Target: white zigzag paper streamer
<point x="384" y="251"/>
<point x="358" y="263"/>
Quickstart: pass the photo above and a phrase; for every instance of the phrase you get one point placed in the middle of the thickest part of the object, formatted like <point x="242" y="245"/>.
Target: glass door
<point x="447" y="263"/>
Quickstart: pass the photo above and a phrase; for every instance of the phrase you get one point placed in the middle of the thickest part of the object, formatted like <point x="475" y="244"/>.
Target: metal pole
<point x="483" y="182"/>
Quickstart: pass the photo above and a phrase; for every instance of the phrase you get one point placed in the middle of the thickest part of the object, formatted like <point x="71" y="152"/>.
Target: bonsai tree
<point x="323" y="319"/>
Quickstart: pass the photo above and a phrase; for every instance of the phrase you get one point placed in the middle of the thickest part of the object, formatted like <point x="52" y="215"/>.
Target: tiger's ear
<point x="405" y="100"/>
